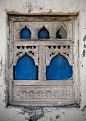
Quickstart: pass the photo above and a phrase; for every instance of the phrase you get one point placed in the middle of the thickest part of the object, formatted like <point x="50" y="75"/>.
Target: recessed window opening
<point x="39" y="70"/>
<point x="25" y="69"/>
<point x="25" y="33"/>
<point x="43" y="33"/>
<point x="59" y="69"/>
<point x="61" y="33"/>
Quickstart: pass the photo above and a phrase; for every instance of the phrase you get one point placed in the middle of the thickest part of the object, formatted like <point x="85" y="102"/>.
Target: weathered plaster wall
<point x="65" y="113"/>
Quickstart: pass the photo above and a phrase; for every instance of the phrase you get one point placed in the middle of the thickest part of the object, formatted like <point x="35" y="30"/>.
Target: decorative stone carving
<point x="35" y="27"/>
<point x="52" y="51"/>
<point x="42" y="93"/>
<point x="19" y="51"/>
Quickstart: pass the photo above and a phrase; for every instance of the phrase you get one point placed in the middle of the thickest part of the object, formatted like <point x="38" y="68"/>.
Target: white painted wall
<point x="69" y="113"/>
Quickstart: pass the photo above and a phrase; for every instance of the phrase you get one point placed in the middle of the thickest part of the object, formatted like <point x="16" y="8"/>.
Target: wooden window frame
<point x="43" y="92"/>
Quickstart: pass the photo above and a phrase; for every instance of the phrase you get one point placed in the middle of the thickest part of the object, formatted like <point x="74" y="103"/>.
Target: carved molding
<point x="35" y="27"/>
<point x="42" y="93"/>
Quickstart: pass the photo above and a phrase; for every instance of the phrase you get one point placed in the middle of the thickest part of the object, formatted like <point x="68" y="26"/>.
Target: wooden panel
<point x="44" y="94"/>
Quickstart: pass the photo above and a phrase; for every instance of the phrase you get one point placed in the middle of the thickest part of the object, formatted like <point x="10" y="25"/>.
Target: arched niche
<point x="61" y="33"/>
<point x="43" y="33"/>
<point x="25" y="69"/>
<point x="25" y="33"/>
<point x="59" y="69"/>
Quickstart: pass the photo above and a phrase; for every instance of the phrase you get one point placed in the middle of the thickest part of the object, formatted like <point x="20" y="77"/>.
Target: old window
<point x="43" y="60"/>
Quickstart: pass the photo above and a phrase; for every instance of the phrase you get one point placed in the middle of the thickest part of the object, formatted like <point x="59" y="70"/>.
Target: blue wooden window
<point x="59" y="69"/>
<point x="25" y="33"/>
<point x="43" y="33"/>
<point x="25" y="69"/>
<point x="61" y="33"/>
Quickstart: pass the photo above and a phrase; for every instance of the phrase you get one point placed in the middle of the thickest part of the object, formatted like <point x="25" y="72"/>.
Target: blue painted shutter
<point x="25" y="33"/>
<point x="59" y="69"/>
<point x="43" y="33"/>
<point x="25" y="69"/>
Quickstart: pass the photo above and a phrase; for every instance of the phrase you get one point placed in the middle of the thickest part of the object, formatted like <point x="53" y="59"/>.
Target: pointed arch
<point x="43" y="33"/>
<point x="21" y="55"/>
<point x="25" y="69"/>
<point x="59" y="69"/>
<point x="25" y="33"/>
<point x="61" y="33"/>
<point x="63" y="54"/>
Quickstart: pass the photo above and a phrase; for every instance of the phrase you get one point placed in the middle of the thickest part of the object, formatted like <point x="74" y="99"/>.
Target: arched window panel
<point x="43" y="33"/>
<point x="61" y="33"/>
<point x="59" y="69"/>
<point x="25" y="33"/>
<point x="25" y="69"/>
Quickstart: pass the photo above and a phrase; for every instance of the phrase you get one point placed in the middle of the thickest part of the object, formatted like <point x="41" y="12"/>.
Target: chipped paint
<point x="84" y="45"/>
<point x="1" y="65"/>
<point x="34" y="114"/>
<point x="83" y="53"/>
<point x="29" y="6"/>
<point x="84" y="39"/>
<point x="58" y="116"/>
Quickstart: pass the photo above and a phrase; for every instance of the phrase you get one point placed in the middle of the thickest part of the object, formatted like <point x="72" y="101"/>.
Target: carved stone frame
<point x="43" y="92"/>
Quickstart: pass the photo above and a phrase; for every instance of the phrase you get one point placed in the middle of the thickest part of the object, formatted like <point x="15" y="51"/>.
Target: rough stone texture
<point x="14" y="113"/>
